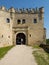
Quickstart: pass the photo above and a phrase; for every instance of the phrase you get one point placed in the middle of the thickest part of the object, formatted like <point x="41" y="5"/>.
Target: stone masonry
<point x="22" y="26"/>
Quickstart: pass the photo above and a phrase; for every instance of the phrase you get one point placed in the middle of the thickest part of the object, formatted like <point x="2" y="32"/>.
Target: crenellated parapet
<point x="41" y="10"/>
<point x="29" y="11"/>
<point x="12" y="10"/>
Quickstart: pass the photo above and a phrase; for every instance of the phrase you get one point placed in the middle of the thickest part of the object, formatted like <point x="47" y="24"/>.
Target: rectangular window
<point x="23" y="21"/>
<point x="18" y="21"/>
<point x="35" y="20"/>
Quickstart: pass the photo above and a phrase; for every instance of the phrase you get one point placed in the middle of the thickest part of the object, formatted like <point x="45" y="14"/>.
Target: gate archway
<point x="20" y="39"/>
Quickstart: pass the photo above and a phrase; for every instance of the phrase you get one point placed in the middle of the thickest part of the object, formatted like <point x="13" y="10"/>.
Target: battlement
<point x="26" y="11"/>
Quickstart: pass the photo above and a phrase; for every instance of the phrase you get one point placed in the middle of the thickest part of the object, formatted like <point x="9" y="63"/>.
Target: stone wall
<point x="34" y="31"/>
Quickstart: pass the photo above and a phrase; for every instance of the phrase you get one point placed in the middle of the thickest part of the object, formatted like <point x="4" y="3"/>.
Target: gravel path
<point x="19" y="55"/>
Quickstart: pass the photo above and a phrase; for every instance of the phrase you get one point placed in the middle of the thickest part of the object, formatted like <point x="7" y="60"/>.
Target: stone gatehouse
<point x="22" y="26"/>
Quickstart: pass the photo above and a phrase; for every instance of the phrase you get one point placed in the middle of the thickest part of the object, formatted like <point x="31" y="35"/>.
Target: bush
<point x="47" y="41"/>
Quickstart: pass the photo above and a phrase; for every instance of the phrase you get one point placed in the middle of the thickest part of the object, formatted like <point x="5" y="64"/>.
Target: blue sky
<point x="30" y="4"/>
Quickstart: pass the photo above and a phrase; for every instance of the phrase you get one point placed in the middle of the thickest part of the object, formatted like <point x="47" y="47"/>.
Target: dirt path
<point x="19" y="55"/>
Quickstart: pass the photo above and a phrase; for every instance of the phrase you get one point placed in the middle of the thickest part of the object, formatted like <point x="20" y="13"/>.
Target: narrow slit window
<point x="30" y="35"/>
<point x="2" y="36"/>
<point x="8" y="36"/>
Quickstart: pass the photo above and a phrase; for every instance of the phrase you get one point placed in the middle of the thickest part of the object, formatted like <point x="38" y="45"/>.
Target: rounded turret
<point x="3" y="8"/>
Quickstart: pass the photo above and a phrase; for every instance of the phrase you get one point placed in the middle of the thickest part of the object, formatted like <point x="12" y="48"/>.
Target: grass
<point x="36" y="46"/>
<point x="4" y="50"/>
<point x="41" y="57"/>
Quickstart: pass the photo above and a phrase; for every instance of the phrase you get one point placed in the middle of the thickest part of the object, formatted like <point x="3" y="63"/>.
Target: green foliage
<point x="4" y="50"/>
<point x="36" y="46"/>
<point x="42" y="58"/>
<point x="47" y="41"/>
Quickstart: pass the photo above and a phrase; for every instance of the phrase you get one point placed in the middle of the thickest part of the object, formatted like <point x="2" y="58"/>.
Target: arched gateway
<point x="20" y="39"/>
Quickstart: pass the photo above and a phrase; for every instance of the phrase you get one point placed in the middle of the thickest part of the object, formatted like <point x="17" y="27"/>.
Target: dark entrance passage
<point x="20" y="39"/>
